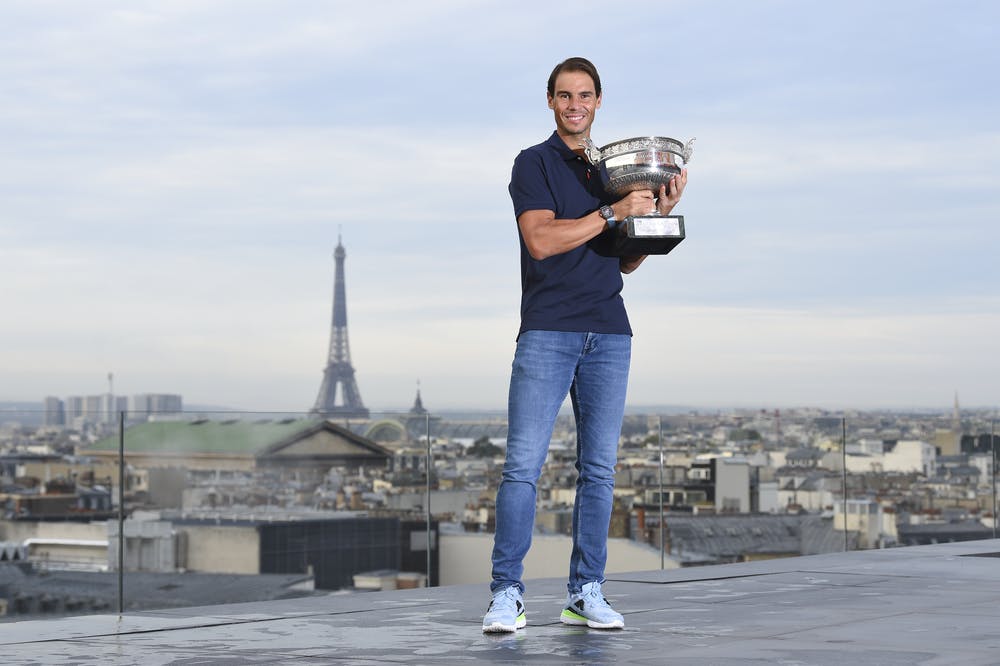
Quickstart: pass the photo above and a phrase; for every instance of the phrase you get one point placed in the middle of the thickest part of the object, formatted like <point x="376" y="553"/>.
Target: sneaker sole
<point x="573" y="619"/>
<point x="497" y="628"/>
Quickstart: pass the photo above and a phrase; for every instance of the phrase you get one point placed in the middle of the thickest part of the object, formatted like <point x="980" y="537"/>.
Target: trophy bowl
<point x="641" y="163"/>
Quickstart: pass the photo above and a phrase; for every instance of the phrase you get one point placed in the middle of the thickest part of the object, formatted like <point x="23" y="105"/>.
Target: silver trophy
<point x="642" y="163"/>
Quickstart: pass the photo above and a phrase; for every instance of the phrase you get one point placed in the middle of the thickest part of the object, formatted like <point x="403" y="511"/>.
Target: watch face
<point x="607" y="212"/>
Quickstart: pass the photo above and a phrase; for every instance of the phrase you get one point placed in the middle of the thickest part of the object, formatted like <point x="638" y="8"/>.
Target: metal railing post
<point x="993" y="448"/>
<point x="121" y="513"/>
<point x="430" y="462"/>
<point x="659" y="430"/>
<point x="843" y="453"/>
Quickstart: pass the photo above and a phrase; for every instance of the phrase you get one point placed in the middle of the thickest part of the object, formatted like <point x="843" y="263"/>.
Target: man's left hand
<point x="668" y="197"/>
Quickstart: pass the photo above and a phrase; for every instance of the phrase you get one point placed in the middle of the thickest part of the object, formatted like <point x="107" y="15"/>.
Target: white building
<point x="732" y="485"/>
<point x="153" y="404"/>
<point x="812" y="490"/>
<point x="465" y="557"/>
<point x="865" y="517"/>
<point x="904" y="456"/>
<point x="984" y="463"/>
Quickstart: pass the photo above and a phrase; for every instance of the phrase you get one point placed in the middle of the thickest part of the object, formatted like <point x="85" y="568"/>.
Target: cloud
<point x="175" y="177"/>
<point x="821" y="357"/>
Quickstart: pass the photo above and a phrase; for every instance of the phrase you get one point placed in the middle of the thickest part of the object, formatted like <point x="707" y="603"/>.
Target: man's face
<point x="574" y="103"/>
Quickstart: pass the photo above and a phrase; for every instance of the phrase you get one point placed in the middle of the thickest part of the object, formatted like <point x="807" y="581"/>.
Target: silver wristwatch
<point x="608" y="213"/>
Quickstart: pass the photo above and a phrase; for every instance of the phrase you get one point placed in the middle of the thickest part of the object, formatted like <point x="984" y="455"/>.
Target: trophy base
<point x="648" y="234"/>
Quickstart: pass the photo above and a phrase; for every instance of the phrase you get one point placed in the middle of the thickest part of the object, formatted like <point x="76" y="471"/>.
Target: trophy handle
<point x="688" y="150"/>
<point x="591" y="150"/>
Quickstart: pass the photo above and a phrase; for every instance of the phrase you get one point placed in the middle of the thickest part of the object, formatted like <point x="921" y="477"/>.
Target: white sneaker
<point x="590" y="608"/>
<point x="506" y="611"/>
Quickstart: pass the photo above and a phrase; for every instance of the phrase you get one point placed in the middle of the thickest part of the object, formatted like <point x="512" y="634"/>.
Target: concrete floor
<point x="920" y="605"/>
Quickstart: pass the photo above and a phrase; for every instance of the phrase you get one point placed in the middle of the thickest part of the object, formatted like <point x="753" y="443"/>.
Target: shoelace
<point x="595" y="597"/>
<point x="507" y="594"/>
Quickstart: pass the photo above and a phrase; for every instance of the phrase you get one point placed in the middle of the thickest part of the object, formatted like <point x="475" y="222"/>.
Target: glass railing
<point x="134" y="510"/>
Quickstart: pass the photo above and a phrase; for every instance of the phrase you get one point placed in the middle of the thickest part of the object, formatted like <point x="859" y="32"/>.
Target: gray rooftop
<point x="925" y="605"/>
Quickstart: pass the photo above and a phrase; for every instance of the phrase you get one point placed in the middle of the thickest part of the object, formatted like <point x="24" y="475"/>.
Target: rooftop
<point x="924" y="605"/>
<point x="232" y="437"/>
<point x="205" y="436"/>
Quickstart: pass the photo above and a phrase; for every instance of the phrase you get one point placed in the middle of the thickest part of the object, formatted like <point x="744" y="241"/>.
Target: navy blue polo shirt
<point x="579" y="290"/>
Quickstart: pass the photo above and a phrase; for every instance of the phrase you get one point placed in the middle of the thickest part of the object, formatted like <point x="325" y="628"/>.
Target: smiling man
<point x="574" y="339"/>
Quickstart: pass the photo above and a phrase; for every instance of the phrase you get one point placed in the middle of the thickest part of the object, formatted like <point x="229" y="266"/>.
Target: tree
<point x="744" y="435"/>
<point x="483" y="448"/>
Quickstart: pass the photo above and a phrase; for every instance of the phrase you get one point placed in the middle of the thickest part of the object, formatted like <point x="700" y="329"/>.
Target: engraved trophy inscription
<point x="642" y="163"/>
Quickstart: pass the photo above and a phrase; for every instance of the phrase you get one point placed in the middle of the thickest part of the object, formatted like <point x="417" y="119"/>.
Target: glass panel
<point x="222" y="507"/>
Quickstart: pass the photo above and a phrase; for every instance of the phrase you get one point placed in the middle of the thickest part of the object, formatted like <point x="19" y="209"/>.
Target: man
<point x="574" y="338"/>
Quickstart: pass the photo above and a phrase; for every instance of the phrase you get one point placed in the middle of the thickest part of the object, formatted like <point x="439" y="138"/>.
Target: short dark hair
<point x="575" y="65"/>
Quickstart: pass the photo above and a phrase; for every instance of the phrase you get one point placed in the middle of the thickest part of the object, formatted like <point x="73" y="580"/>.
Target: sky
<point x="175" y="177"/>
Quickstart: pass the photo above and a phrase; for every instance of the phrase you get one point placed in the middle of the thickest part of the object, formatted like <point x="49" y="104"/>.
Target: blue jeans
<point x="593" y="369"/>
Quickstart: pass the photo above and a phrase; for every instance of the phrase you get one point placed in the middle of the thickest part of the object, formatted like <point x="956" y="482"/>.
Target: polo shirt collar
<point x="557" y="144"/>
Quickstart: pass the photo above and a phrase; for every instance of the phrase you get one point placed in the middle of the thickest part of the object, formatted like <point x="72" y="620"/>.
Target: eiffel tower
<point x="339" y="371"/>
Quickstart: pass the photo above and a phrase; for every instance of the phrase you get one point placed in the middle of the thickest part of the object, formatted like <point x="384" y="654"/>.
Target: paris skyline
<point x="176" y="177"/>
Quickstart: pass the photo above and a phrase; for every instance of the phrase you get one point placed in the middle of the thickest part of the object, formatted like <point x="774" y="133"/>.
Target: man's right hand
<point x="640" y="202"/>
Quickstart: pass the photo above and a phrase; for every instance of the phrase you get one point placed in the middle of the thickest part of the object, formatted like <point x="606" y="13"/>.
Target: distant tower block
<point x="339" y="373"/>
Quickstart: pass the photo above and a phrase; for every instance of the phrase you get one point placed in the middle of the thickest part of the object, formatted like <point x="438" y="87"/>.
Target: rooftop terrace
<point x="924" y="605"/>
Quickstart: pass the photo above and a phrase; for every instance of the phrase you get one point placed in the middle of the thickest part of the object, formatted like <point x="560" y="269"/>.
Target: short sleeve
<point x="529" y="185"/>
